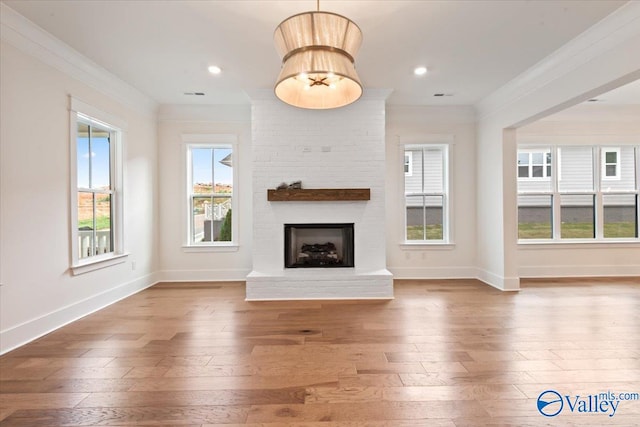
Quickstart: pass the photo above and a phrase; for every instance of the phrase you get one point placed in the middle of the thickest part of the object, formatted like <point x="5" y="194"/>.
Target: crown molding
<point x="621" y="26"/>
<point x="26" y="36"/>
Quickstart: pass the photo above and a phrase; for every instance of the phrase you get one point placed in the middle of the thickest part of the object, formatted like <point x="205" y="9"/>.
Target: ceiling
<point x="163" y="48"/>
<point x="618" y="105"/>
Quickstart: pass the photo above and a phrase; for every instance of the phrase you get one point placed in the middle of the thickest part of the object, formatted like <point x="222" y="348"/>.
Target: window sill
<point x="547" y="244"/>
<point x="417" y="246"/>
<point x="210" y="248"/>
<point x="103" y="261"/>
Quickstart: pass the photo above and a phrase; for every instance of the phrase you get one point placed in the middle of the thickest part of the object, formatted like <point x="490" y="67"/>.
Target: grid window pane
<point x="415" y="214"/>
<point x="100" y="160"/>
<point x="536" y="158"/>
<point x="534" y="217"/>
<point x="576" y="169"/>
<point x="221" y="223"/>
<point x="424" y="217"/>
<point x="202" y="170"/>
<point x="620" y="219"/>
<point x="433" y="217"/>
<point x="433" y="170"/>
<point x="577" y="216"/>
<point x="413" y="181"/>
<point x="523" y="159"/>
<point x="83" y="156"/>
<point x="200" y="208"/>
<point x="86" y="224"/>
<point x="539" y="170"/>
<point x="103" y="224"/>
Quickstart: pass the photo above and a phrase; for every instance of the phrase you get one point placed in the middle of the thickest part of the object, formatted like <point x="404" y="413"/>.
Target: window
<point x="408" y="163"/>
<point x="426" y="193"/>
<point x="610" y="163"/>
<point x="534" y="164"/>
<point x="210" y="189"/>
<point x="96" y="170"/>
<point x="581" y="201"/>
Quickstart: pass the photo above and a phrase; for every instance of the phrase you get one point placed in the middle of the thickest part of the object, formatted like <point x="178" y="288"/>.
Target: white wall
<point x="415" y="124"/>
<point x="588" y="125"/>
<point x="38" y="292"/>
<point x="178" y="263"/>
<point x="602" y="58"/>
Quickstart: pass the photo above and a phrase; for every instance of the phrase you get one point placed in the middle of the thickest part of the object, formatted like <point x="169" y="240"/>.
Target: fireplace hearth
<point x="318" y="245"/>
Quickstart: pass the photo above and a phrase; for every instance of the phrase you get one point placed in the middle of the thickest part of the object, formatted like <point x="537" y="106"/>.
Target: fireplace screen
<point x="318" y="245"/>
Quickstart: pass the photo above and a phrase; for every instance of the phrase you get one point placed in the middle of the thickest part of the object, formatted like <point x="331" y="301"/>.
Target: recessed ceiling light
<point x="214" y="69"/>
<point x="420" y="71"/>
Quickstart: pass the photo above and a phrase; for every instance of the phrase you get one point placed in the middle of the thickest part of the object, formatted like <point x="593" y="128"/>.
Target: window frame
<point x="445" y="194"/>
<point x="408" y="163"/>
<point x="80" y="112"/>
<point x="597" y="193"/>
<point x="547" y="164"/>
<point x="604" y="164"/>
<point x="190" y="141"/>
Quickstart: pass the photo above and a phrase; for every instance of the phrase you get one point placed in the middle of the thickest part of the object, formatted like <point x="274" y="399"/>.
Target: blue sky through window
<point x="202" y="162"/>
<point x="98" y="159"/>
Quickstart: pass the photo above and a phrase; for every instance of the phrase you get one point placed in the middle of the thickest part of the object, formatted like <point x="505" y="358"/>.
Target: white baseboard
<point x="417" y="273"/>
<point x="558" y="271"/>
<point x="499" y="282"/>
<point x="28" y="331"/>
<point x="230" y="275"/>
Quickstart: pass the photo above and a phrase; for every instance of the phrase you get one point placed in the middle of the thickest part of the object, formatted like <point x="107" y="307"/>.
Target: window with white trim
<point x="610" y="163"/>
<point x="534" y="164"/>
<point x="583" y="202"/>
<point x="426" y="194"/>
<point x="408" y="163"/>
<point x="96" y="188"/>
<point x="210" y="188"/>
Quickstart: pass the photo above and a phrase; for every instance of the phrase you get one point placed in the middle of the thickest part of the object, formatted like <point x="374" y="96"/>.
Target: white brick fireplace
<point x="342" y="148"/>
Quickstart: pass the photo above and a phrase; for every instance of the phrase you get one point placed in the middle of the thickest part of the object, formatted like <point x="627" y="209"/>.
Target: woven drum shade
<point x="318" y="51"/>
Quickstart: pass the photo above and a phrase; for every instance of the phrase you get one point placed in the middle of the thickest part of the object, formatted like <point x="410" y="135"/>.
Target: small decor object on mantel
<point x="295" y="185"/>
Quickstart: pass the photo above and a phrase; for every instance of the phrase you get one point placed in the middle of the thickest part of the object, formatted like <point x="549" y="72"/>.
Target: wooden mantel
<point x="319" y="195"/>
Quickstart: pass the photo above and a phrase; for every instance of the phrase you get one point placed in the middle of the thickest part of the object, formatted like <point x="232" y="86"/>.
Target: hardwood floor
<point x="443" y="353"/>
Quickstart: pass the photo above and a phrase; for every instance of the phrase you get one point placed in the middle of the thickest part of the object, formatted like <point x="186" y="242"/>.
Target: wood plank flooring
<point x="442" y="353"/>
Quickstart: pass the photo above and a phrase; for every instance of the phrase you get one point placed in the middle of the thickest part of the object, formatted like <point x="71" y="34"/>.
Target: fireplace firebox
<point x="318" y="245"/>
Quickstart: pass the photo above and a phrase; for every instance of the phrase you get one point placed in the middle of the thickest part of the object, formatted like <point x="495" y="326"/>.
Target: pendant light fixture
<point x="318" y="52"/>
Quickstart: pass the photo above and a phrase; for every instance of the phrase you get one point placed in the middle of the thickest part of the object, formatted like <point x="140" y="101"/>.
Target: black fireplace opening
<point x="318" y="245"/>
